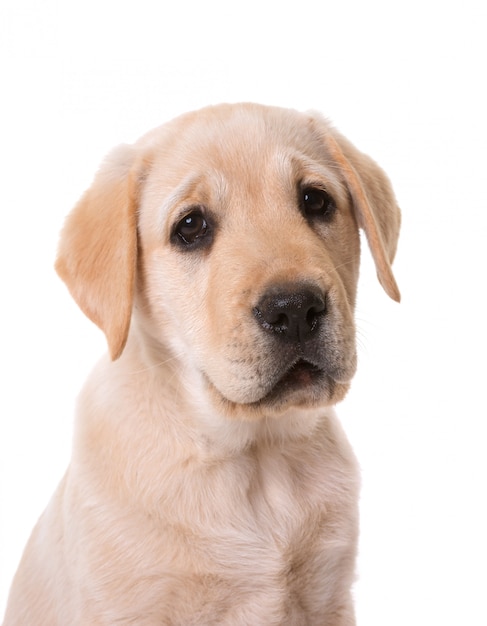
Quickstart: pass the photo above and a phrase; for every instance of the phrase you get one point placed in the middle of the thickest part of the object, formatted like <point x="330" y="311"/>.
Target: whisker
<point x="153" y="366"/>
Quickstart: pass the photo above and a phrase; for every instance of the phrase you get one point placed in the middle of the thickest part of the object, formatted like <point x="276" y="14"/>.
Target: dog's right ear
<point x="97" y="253"/>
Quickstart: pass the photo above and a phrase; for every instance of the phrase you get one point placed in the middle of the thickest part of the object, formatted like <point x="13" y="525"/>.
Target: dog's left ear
<point x="374" y="204"/>
<point x="97" y="253"/>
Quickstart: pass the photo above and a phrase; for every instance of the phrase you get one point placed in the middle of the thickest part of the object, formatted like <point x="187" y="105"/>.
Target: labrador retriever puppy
<point x="210" y="482"/>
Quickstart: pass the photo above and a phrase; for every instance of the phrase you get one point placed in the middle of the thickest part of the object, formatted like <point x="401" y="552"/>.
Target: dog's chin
<point x="303" y="385"/>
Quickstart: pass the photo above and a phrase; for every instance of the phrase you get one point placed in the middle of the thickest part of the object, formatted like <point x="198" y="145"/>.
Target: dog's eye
<point x="192" y="228"/>
<point x="317" y="203"/>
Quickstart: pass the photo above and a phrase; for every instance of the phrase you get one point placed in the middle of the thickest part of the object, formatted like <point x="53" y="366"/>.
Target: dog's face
<point x="236" y="228"/>
<point x="250" y="247"/>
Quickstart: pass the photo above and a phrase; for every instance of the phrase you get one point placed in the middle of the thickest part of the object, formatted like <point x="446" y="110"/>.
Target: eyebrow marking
<point x="196" y="189"/>
<point x="308" y="171"/>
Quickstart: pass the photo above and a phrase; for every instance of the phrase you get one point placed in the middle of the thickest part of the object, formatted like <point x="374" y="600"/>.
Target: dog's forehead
<point x="246" y="147"/>
<point x="238" y="135"/>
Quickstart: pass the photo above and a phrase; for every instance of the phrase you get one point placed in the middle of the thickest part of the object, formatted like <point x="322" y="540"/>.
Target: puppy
<point x="210" y="482"/>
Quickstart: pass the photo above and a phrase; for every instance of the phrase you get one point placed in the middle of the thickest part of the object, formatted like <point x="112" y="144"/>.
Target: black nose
<point x="293" y="315"/>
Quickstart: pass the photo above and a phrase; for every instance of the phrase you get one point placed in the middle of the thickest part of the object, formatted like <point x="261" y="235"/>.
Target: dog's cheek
<point x="170" y="301"/>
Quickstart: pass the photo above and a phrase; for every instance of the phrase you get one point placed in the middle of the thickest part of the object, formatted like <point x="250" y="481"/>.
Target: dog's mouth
<point x="302" y="376"/>
<point x="303" y="383"/>
<point x="307" y="379"/>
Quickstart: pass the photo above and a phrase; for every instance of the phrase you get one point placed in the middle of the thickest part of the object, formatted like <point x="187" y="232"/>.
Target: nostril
<point x="313" y="316"/>
<point x="269" y="320"/>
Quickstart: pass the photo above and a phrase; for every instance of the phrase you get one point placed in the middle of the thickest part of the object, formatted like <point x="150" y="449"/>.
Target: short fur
<point x="211" y="483"/>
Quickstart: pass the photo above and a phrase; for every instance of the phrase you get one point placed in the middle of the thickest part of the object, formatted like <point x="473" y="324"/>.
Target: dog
<point x="210" y="482"/>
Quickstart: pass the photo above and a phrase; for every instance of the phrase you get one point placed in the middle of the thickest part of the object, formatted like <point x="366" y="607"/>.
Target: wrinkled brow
<point x="196" y="189"/>
<point x="297" y="167"/>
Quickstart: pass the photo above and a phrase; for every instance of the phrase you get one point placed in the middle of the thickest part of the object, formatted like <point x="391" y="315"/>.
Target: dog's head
<point x="229" y="239"/>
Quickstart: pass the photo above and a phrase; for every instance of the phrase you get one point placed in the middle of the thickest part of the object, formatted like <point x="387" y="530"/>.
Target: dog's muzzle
<point x="293" y="318"/>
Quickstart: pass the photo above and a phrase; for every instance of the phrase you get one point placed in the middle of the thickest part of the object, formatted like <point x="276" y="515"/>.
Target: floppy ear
<point x="374" y="203"/>
<point x="98" y="248"/>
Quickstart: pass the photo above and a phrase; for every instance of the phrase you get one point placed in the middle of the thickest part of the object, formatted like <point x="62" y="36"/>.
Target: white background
<point x="406" y="82"/>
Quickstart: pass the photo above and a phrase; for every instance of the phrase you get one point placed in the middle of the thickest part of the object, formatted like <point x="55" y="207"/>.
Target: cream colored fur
<point x="201" y="490"/>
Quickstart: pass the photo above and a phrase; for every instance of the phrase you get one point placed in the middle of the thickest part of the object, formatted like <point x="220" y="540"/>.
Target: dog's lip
<point x="301" y="374"/>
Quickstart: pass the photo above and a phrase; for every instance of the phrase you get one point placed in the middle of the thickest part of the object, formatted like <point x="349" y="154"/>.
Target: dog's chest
<point x="264" y="538"/>
<point x="238" y="540"/>
<point x="282" y="495"/>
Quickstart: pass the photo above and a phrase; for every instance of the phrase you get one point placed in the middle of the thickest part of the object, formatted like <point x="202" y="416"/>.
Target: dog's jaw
<point x="295" y="394"/>
<point x="237" y="426"/>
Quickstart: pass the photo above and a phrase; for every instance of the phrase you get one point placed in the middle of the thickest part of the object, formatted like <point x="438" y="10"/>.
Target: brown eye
<point x="317" y="203"/>
<point x="191" y="228"/>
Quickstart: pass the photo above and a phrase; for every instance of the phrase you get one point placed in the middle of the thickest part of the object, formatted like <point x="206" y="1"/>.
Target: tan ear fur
<point x="375" y="206"/>
<point x="97" y="253"/>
